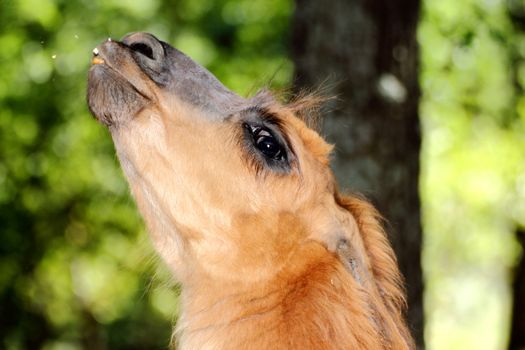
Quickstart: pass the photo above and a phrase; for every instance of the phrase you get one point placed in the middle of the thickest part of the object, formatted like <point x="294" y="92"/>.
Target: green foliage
<point x="75" y="261"/>
<point x="473" y="169"/>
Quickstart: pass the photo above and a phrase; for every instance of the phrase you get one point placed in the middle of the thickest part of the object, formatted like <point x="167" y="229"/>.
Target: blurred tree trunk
<point x="517" y="334"/>
<point x="365" y="53"/>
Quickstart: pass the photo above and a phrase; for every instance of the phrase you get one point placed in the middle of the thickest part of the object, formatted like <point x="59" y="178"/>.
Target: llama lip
<point x="96" y="58"/>
<point x="114" y="93"/>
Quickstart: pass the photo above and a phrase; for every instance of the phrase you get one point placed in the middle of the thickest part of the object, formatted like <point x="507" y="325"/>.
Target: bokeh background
<point x="76" y="267"/>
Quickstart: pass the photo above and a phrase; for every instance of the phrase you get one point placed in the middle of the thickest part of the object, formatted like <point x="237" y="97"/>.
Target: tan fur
<point x="265" y="261"/>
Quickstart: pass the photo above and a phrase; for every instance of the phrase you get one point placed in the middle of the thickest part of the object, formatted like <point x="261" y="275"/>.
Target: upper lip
<point x="99" y="58"/>
<point x="96" y="58"/>
<point x="105" y="53"/>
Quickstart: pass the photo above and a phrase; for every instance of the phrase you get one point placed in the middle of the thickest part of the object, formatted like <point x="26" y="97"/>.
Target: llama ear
<point x="379" y="255"/>
<point x="355" y="235"/>
<point x="352" y="260"/>
<point x="385" y="280"/>
<point x="342" y="237"/>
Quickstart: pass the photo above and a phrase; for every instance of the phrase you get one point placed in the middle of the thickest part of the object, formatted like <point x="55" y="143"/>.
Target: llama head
<point x="224" y="182"/>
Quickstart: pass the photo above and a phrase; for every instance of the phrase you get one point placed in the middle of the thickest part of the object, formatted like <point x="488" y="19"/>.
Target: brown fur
<point x="266" y="260"/>
<point x="280" y="284"/>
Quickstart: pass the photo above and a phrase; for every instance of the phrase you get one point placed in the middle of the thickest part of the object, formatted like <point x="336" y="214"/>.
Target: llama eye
<point x="269" y="146"/>
<point x="265" y="142"/>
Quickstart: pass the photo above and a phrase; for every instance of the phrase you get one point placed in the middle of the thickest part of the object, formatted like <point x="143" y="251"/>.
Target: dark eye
<point x="266" y="143"/>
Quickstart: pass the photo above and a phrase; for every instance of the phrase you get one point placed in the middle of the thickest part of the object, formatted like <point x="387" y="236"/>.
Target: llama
<point x="240" y="202"/>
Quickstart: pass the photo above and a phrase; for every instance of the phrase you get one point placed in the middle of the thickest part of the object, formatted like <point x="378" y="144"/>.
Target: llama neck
<point x="312" y="303"/>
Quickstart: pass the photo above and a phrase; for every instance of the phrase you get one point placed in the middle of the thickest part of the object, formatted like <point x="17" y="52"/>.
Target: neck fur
<point x="312" y="303"/>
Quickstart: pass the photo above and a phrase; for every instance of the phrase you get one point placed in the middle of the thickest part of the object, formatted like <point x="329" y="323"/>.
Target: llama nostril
<point x="143" y="49"/>
<point x="145" y="45"/>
